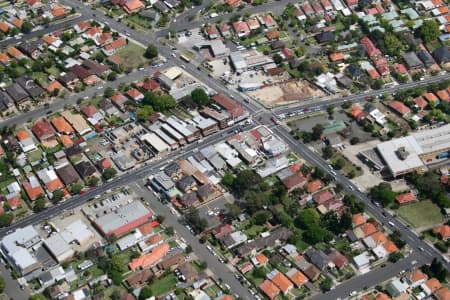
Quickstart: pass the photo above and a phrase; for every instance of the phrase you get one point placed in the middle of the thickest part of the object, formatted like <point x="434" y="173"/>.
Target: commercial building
<point x="155" y="143"/>
<point x="124" y="219"/>
<point x="412" y="153"/>
<point x="17" y="249"/>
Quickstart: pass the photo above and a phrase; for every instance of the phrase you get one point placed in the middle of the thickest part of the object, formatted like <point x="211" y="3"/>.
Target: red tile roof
<point x="269" y="289"/>
<point x="42" y="130"/>
<point x="89" y="110"/>
<point x="322" y="197"/>
<point x="368" y="229"/>
<point x="405" y="198"/>
<point x="314" y="186"/>
<point x="149" y="259"/>
<point x="282" y="282"/>
<point x="399" y="107"/>
<point x="443" y="231"/>
<point x="229" y="105"/>
<point x="370" y="48"/>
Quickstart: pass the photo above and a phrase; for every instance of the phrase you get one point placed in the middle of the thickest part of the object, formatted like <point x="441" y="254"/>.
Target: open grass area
<point x="40" y="77"/>
<point x="34" y="155"/>
<point x="138" y="21"/>
<point x="132" y="55"/>
<point x="53" y="71"/>
<point x="348" y="167"/>
<point x="163" y="285"/>
<point x="421" y="214"/>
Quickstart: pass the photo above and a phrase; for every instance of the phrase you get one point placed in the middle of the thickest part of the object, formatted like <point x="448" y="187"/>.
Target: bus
<point x="185" y="58"/>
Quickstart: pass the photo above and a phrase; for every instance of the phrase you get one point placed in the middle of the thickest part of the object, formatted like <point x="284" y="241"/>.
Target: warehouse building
<point x="124" y="219"/>
<point x="414" y="152"/>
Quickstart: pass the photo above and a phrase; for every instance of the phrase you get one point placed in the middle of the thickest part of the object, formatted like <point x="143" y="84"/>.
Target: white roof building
<point x="17" y="249"/>
<point x="59" y="248"/>
<point x="362" y="261"/>
<point x="155" y="142"/>
<point x="47" y="175"/>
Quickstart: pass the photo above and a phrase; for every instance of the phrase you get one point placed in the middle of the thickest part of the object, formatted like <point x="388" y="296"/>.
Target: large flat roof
<point x="122" y="216"/>
<point x="416" y="144"/>
<point x="155" y="141"/>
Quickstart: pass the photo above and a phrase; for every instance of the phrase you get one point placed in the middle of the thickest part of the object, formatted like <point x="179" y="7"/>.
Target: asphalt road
<point x="360" y="96"/>
<point x="220" y="270"/>
<point x="370" y="279"/>
<point x="69" y="22"/>
<point x="12" y="287"/>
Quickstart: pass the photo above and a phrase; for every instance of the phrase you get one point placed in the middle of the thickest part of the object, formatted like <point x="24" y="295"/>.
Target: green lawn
<point x="53" y="71"/>
<point x="163" y="285"/>
<point x="132" y="55"/>
<point x="34" y="155"/>
<point x="348" y="167"/>
<point x="138" y="21"/>
<point x="421" y="214"/>
<point x="40" y="77"/>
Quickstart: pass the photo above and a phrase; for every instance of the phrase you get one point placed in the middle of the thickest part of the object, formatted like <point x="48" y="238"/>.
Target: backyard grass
<point x="163" y="285"/>
<point x="421" y="214"/>
<point x="53" y="71"/>
<point x="40" y="77"/>
<point x="138" y="21"/>
<point x="34" y="155"/>
<point x="132" y="55"/>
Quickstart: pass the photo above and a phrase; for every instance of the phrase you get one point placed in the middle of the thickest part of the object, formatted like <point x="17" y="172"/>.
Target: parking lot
<point x="215" y="210"/>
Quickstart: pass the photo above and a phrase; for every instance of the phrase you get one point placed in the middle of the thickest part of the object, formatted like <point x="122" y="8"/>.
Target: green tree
<point x="26" y="27"/>
<point x="6" y="219"/>
<point x="261" y="217"/>
<point x="326" y="284"/>
<point x="92" y="181"/>
<point x="151" y="52"/>
<point x="328" y="152"/>
<point x="259" y="272"/>
<point x="383" y="193"/>
<point x="109" y="92"/>
<point x="429" y="31"/>
<point x="393" y="45"/>
<point x="246" y="179"/>
<point x="76" y="188"/>
<point x="146" y="293"/>
<point x="233" y="210"/>
<point x="228" y="180"/>
<point x="277" y="58"/>
<point x="200" y="97"/>
<point x="109" y="173"/>
<point x="57" y="196"/>
<point x="317" y="131"/>
<point x="193" y="218"/>
<point x="39" y="204"/>
<point x="144" y="112"/>
<point x="395" y="257"/>
<point x="188" y="249"/>
<point x="112" y="76"/>
<point x="306" y="217"/>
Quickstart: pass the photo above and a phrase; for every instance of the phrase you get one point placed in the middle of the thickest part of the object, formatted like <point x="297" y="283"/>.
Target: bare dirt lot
<point x="286" y="93"/>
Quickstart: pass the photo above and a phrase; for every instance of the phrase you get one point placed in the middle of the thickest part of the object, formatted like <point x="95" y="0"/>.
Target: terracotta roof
<point x="229" y="105"/>
<point x="58" y="12"/>
<point x="17" y="22"/>
<point x="430" y="97"/>
<point x="133" y="5"/>
<point x="405" y="198"/>
<point x="379" y="238"/>
<point x="443" y="95"/>
<point x="314" y="186"/>
<point x="433" y="284"/>
<point x="54" y="185"/>
<point x="93" y="31"/>
<point x="373" y="74"/>
<point x="222" y="231"/>
<point x="271" y="35"/>
<point x="14" y="52"/>
<point x="4" y="59"/>
<point x="358" y="220"/>
<point x="14" y="202"/>
<point x="322" y="197"/>
<point x="66" y="140"/>
<point x="382" y="296"/>
<point x="89" y="110"/>
<point x="154" y="239"/>
<point x="121" y="42"/>
<point x="443" y="231"/>
<point x="262" y="259"/>
<point x="146" y="229"/>
<point x="390" y="247"/>
<point x="104" y="37"/>
<point x="399" y="107"/>
<point x="134" y="93"/>
<point x="368" y="229"/>
<point x="151" y="258"/>
<point x="282" y="282"/>
<point x="269" y="289"/>
<point x="400" y="68"/>
<point x="4" y="27"/>
<point x="42" y="129"/>
<point x="53" y="86"/>
<point x="104" y="163"/>
<point x="442" y="294"/>
<point x="357" y="112"/>
<point x="416" y="275"/>
<point x="33" y="192"/>
<point x="336" y="56"/>
<point x="150" y="85"/>
<point x="61" y="125"/>
<point x="420" y="102"/>
<point x="49" y="39"/>
<point x="295" y="180"/>
<point x="23" y="135"/>
<point x="297" y="277"/>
